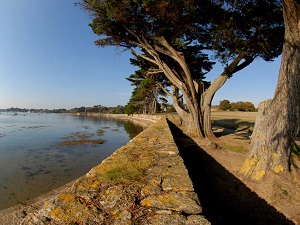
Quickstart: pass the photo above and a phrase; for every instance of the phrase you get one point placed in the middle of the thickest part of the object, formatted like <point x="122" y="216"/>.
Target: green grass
<point x="296" y="150"/>
<point x="125" y="168"/>
<point x="234" y="124"/>
<point x="233" y="148"/>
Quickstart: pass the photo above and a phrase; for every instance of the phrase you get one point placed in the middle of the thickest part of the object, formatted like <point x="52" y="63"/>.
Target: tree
<point x="243" y="106"/>
<point x="249" y="107"/>
<point x="278" y="122"/>
<point x="119" y="110"/>
<point x="225" y="105"/>
<point x="145" y="96"/>
<point x="174" y="34"/>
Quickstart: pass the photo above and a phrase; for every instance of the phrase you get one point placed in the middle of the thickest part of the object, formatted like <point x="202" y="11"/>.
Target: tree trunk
<point x="198" y="101"/>
<point x="207" y="122"/>
<point x="277" y="124"/>
<point x="192" y="119"/>
<point x="207" y="95"/>
<point x="195" y="123"/>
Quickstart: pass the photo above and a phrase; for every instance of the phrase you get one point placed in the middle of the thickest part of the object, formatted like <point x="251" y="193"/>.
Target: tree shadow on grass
<point x="232" y="126"/>
<point x="224" y="198"/>
<point x="232" y="123"/>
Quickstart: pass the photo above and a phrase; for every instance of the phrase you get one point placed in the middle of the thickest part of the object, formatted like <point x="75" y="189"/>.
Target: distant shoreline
<point x="141" y="119"/>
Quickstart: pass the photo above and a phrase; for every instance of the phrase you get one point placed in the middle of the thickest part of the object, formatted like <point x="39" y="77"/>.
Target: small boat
<point x="15" y="114"/>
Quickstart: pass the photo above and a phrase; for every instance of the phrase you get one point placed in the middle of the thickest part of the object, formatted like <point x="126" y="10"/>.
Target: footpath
<point x="143" y="182"/>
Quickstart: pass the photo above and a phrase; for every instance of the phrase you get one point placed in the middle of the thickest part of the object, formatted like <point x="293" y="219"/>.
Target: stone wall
<point x="143" y="120"/>
<point x="143" y="182"/>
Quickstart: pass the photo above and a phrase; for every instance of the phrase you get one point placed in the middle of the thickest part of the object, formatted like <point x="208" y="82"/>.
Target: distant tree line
<point x="135" y="105"/>
<point x="99" y="109"/>
<point x="23" y="110"/>
<point x="225" y="105"/>
<point x="95" y="109"/>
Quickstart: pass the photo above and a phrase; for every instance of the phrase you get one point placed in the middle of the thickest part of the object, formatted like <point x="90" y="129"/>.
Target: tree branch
<point x="247" y="62"/>
<point x="220" y="81"/>
<point x="143" y="56"/>
<point x="144" y="44"/>
<point x="164" y="89"/>
<point x="154" y="71"/>
<point x="180" y="59"/>
<point x="181" y="112"/>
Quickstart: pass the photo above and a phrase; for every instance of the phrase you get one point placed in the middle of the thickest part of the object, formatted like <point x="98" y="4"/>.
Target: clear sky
<point x="48" y="60"/>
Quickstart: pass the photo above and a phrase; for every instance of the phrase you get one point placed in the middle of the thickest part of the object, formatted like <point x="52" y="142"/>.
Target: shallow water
<point x="33" y="161"/>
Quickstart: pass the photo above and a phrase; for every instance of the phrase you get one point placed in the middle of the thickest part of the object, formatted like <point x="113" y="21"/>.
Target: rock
<point x="122" y="218"/>
<point x="152" y="188"/>
<point x="177" y="183"/>
<point x="173" y="201"/>
<point x="197" y="220"/>
<point x="165" y="220"/>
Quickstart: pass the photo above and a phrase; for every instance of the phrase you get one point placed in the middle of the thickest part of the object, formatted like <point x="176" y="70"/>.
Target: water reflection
<point x="32" y="162"/>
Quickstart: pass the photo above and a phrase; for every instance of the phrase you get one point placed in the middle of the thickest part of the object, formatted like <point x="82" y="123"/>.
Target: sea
<point x="41" y="152"/>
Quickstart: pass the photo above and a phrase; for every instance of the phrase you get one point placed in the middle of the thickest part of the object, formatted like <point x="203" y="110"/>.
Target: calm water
<point x="31" y="160"/>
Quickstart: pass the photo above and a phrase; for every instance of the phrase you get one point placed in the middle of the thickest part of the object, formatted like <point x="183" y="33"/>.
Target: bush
<point x="238" y="106"/>
<point x="225" y="105"/>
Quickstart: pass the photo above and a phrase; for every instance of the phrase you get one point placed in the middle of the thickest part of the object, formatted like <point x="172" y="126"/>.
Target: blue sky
<point x="48" y="60"/>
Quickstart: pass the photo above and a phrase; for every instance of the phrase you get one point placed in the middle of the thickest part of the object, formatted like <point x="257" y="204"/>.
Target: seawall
<point x="143" y="120"/>
<point x="143" y="182"/>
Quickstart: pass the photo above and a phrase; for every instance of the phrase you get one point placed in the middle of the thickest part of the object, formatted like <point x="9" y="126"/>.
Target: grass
<point x="234" y="124"/>
<point x="296" y="150"/>
<point x="233" y="148"/>
<point x="243" y="116"/>
<point x="125" y="168"/>
<point x="235" y="121"/>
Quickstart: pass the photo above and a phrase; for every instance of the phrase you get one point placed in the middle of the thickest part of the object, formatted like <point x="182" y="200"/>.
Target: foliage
<point x="225" y="105"/>
<point x="16" y="109"/>
<point x="238" y="106"/>
<point x="175" y="37"/>
<point x="141" y="98"/>
<point x="119" y="110"/>
<point x="296" y="150"/>
<point x="144" y="98"/>
<point x="243" y="106"/>
<point x="255" y="27"/>
<point x="98" y="109"/>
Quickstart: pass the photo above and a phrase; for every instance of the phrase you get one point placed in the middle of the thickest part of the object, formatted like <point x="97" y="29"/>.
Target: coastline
<point x="16" y="213"/>
<point x="141" y="119"/>
<point x="140" y="193"/>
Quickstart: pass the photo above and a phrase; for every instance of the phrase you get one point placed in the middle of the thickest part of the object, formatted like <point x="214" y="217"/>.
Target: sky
<point x="48" y="60"/>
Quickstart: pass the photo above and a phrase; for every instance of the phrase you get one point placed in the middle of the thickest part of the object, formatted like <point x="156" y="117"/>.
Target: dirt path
<point x="224" y="198"/>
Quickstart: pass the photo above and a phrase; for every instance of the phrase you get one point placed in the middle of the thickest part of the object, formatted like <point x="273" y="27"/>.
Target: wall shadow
<point x="224" y="198"/>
